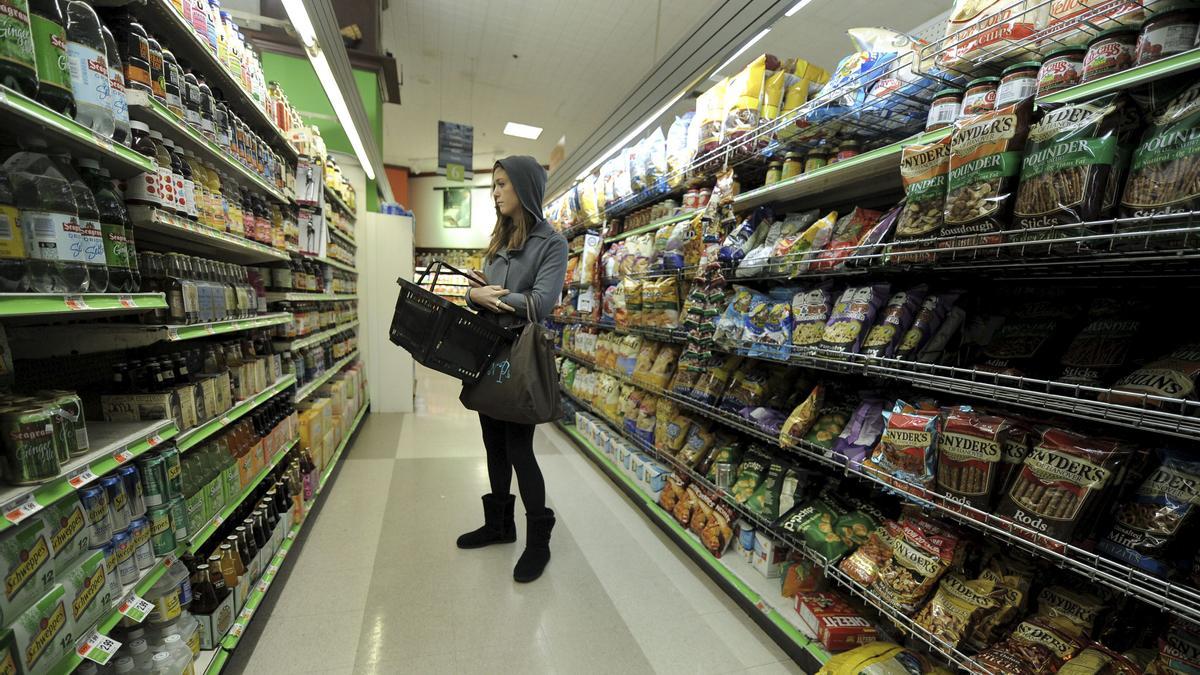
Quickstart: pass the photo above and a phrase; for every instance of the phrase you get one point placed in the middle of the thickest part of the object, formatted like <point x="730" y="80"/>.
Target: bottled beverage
<point x="181" y="203"/>
<point x="158" y="78"/>
<point x="239" y="564"/>
<point x="144" y="189"/>
<point x="189" y="186"/>
<point x="50" y="51"/>
<point x="48" y="217"/>
<point x="230" y="564"/>
<point x="88" y="245"/>
<point x="17" y="61"/>
<point x="89" y="68"/>
<point x="14" y="260"/>
<point x="166" y="179"/>
<point x="133" y="48"/>
<point x="204" y="596"/>
<point x="114" y="226"/>
<point x="192" y="100"/>
<point x="173" y="87"/>
<point x="116" y="80"/>
<point x="208" y="110"/>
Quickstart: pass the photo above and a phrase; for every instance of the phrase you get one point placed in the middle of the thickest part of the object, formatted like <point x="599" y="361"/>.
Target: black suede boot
<point x="498" y="524"/>
<point x="537" y="547"/>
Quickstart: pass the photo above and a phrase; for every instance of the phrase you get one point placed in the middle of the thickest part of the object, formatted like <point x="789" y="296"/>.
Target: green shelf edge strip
<point x="342" y="235"/>
<point x="31" y="304"/>
<point x="193" y="437"/>
<point x="1127" y="79"/>
<point x="191" y="332"/>
<point x="811" y="646"/>
<point x="337" y="263"/>
<point x="166" y="117"/>
<point x="230" y="641"/>
<point x="300" y="343"/>
<point x="209" y="528"/>
<point x="330" y="372"/>
<point x="49" y="493"/>
<point x="309" y="297"/>
<point x="15" y="101"/>
<point x="650" y="227"/>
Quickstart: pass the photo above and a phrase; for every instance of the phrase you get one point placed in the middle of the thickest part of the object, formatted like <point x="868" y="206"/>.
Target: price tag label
<point x="98" y="648"/>
<point x="225" y="421"/>
<point x="82" y="477"/>
<point x="75" y="303"/>
<point x="123" y="456"/>
<point x="21" y="508"/>
<point x="172" y="333"/>
<point x="136" y="608"/>
<point x="272" y="568"/>
<point x="154" y="440"/>
<point x="209" y="329"/>
<point x="169" y="560"/>
<point x="127" y="302"/>
<point x="264" y="585"/>
<point x="237" y="629"/>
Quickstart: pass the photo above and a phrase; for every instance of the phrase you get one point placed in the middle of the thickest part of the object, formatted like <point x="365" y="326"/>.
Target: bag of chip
<point x="671" y="428"/>
<point x="907" y="449"/>
<point x="744" y="97"/>
<point x="679" y="155"/>
<point x="1173" y="376"/>
<point x="1163" y="175"/>
<point x="662" y="369"/>
<point x="1030" y="338"/>
<point x="1035" y="645"/>
<point x="893" y="322"/>
<point x="856" y="527"/>
<point x="747" y="389"/>
<point x="758" y="259"/>
<point x="794" y="484"/>
<point x="1065" y="169"/>
<point x="796" y="248"/>
<point x="718" y="527"/>
<point x="747" y="235"/>
<point x="846" y="234"/>
<point x="824" y="431"/>
<point x="927" y="322"/>
<point x="797" y="425"/>
<point x="923" y="170"/>
<point x="1151" y="523"/>
<point x="851" y="317"/>
<point x="799" y="576"/>
<point x="1062" y="477"/>
<point x="733" y="320"/>
<point x="956" y="607"/>
<point x="687" y="506"/>
<point x="647" y="420"/>
<point x="765" y="499"/>
<point x="860" y="434"/>
<point x="1096" y="659"/>
<point x="810" y="313"/>
<point x="750" y="474"/>
<point x="711" y="386"/>
<point x="970" y="450"/>
<point x="985" y="158"/>
<point x="723" y="463"/>
<point x="684" y="380"/>
<point x="1178" y="651"/>
<point x="674" y="490"/>
<point x="699" y="442"/>
<point x="977" y="27"/>
<point x="814" y="521"/>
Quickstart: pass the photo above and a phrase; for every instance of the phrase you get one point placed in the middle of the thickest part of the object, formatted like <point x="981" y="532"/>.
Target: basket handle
<point x="436" y="269"/>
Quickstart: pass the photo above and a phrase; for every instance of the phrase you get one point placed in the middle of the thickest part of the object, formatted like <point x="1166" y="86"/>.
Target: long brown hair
<point x="510" y="232"/>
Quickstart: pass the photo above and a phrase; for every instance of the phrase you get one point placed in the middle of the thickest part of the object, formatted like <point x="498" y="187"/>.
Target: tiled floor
<point x="379" y="587"/>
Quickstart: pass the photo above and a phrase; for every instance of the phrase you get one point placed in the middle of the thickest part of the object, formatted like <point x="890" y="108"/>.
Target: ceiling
<point x="575" y="61"/>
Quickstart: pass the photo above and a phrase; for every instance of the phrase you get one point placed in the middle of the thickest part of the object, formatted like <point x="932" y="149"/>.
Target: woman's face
<point x="503" y="193"/>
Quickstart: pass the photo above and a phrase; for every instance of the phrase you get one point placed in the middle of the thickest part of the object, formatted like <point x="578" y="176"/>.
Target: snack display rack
<point x="1156" y="250"/>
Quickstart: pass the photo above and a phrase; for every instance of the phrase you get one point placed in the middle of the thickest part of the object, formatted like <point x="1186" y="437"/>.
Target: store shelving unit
<point x="333" y="198"/>
<point x="307" y="340"/>
<point x="292" y="296"/>
<point x="159" y="226"/>
<point x="84" y="304"/>
<point x="192" y="437"/>
<point x="336" y="263"/>
<point x="305" y="391"/>
<point x="343" y="236"/>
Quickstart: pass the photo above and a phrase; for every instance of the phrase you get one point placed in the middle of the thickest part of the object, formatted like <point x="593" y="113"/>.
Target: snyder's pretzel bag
<point x="1102" y="346"/>
<point x="985" y="159"/>
<point x="970" y="448"/>
<point x="923" y="170"/>
<point x="1061" y="479"/>
<point x="920" y="556"/>
<point x="957" y="605"/>
<point x="1173" y="376"/>
<point x="1150" y="523"/>
<point x="1035" y="646"/>
<point x="1165" y="174"/>
<point x="1065" y="170"/>
<point x="907" y="449"/>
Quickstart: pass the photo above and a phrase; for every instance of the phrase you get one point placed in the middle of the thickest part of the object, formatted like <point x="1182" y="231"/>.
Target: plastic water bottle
<point x="116" y="80"/>
<point x="49" y="220"/>
<point x="89" y="69"/>
<point x="89" y="247"/>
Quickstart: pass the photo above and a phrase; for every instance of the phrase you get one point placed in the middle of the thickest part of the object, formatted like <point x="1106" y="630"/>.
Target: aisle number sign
<point x="455" y="172"/>
<point x="456" y="146"/>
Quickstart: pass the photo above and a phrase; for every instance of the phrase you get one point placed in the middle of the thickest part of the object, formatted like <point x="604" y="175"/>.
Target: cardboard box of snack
<point x="836" y="624"/>
<point x="768" y="555"/>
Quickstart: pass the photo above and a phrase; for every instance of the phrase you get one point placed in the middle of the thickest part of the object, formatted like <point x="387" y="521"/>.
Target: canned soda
<point x="95" y="504"/>
<point x="31" y="449"/>
<point x="133" y="490"/>
<point x="179" y="518"/>
<point x="118" y="501"/>
<point x="162" y="533"/>
<point x="154" y="480"/>
<point x="143" y="552"/>
<point x="173" y="469"/>
<point x="127" y="569"/>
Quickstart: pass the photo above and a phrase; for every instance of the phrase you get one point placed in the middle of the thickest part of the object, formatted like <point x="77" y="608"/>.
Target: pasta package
<point x="893" y="322"/>
<point x="985" y="159"/>
<point x="1165" y="174"/>
<point x="957" y="606"/>
<point x="970" y="449"/>
<point x="1061" y="479"/>
<point x="810" y="313"/>
<point x="1152" y="522"/>
<point x="852" y="316"/>
<point x="1065" y="170"/>
<point x="923" y="171"/>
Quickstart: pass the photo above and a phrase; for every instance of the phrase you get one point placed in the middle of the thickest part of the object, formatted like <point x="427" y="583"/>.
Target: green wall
<point x="304" y="90"/>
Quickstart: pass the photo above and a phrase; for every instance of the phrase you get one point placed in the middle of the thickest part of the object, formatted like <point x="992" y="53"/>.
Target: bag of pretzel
<point x="970" y="450"/>
<point x="1165" y="174"/>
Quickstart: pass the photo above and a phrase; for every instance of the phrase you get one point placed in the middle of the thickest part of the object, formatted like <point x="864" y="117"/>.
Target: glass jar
<point x="774" y="172"/>
<point x="980" y="96"/>
<point x="792" y="166"/>
<point x="946" y="106"/>
<point x="1018" y="81"/>
<point x="815" y="160"/>
<point x="1111" y="51"/>
<point x="1063" y="68"/>
<point x="1169" y="30"/>
<point x="846" y="151"/>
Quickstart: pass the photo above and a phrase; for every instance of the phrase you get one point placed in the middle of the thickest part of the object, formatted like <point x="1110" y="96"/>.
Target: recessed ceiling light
<point x="522" y="131"/>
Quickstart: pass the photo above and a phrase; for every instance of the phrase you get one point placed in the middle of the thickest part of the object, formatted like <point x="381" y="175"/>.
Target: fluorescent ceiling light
<point x="797" y="7"/>
<point x="746" y="46"/>
<point x="522" y="131"/>
<point x="632" y="135"/>
<point x="304" y="27"/>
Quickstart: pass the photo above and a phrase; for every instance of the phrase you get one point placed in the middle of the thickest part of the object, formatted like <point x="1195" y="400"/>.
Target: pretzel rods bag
<point x="970" y="448"/>
<point x="1064" y="475"/>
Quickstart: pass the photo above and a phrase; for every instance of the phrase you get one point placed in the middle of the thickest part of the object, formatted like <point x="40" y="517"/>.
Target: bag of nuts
<point x="923" y="170"/>
<point x="1165" y="174"/>
<point x="985" y="158"/>
<point x="1065" y="170"/>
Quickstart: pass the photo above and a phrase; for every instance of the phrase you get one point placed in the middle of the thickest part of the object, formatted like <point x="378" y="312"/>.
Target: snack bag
<point x="679" y="154"/>
<point x="722" y="467"/>
<point x="860" y="434"/>
<point x="1061" y="479"/>
<point x="1152" y="523"/>
<point x="769" y="325"/>
<point x="750" y="475"/>
<point x="801" y="420"/>
<point x="748" y="389"/>
<point x="746" y="236"/>
<point x="814" y="521"/>
<point x="687" y="506"/>
<point x="656" y="157"/>
<point x="956" y="607"/>
<point x="923" y="170"/>
<point x="647" y="420"/>
<point x="758" y="259"/>
<point x="663" y="368"/>
<point x="985" y="153"/>
<point x="1074" y="612"/>
<point x="1161" y="178"/>
<point x="718" y="527"/>
<point x="970" y="448"/>
<point x="1173" y="376"/>
<point x="977" y="27"/>
<point x="1102" y="346"/>
<point x="1035" y="645"/>
<point x="710" y="113"/>
<point x="799" y="576"/>
<point x="907" y="449"/>
<point x="802" y="234"/>
<point x="674" y="490"/>
<point x="824" y="431"/>
<point x="927" y="322"/>
<point x="893" y="322"/>
<point x="810" y="313"/>
<point x="854" y="310"/>
<point x="700" y="440"/>
<point x="863" y="564"/>
<point x="764" y="501"/>
<point x="920" y="556"/>
<point x="847" y="232"/>
<point x="744" y="97"/>
<point x="733" y="320"/>
<point x="711" y="386"/>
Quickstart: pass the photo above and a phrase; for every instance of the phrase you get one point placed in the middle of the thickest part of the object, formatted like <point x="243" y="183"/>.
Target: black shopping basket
<point x="442" y="335"/>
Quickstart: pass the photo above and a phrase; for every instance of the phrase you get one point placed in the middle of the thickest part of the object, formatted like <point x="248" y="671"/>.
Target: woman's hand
<point x="488" y="297"/>
<point x="476" y="278"/>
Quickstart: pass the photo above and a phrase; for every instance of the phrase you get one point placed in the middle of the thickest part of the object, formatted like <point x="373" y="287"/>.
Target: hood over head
<point x="528" y="180"/>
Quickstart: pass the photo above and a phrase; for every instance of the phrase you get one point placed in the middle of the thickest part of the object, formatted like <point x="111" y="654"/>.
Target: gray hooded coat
<point x="535" y="272"/>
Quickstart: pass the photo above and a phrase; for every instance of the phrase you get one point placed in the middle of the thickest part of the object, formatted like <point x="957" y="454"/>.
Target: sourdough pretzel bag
<point x="985" y="159"/>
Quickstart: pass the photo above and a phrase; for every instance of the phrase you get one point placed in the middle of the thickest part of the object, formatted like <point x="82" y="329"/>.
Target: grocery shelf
<point x="190" y="438"/>
<point x="799" y="646"/>
<point x="162" y="20"/>
<point x="145" y="108"/>
<point x="292" y="296"/>
<point x="338" y="264"/>
<point x="302" y="342"/>
<point x="650" y="227"/>
<point x="337" y="201"/>
<point x="113" y="444"/>
<point x="180" y="234"/>
<point x="92" y="304"/>
<point x="342" y="235"/>
<point x="309" y="388"/>
<point x="23" y="117"/>
<point x="1127" y="79"/>
<point x="337" y="454"/>
<point x="196" y="541"/>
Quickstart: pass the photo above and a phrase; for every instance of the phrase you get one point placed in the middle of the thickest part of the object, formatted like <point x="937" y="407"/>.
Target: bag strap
<point x="528" y="308"/>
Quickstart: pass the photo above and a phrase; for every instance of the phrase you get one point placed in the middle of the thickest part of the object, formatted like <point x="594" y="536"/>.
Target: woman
<point x="525" y="264"/>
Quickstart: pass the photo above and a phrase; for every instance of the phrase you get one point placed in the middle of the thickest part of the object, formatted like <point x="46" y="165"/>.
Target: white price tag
<point x="136" y="608"/>
<point x="225" y="421"/>
<point x="237" y="629"/>
<point x="264" y="585"/>
<point x="21" y="508"/>
<point x="123" y="456"/>
<point x="98" y="648"/>
<point x="82" y="477"/>
<point x="169" y="560"/>
<point x="154" y="440"/>
<point x="172" y="333"/>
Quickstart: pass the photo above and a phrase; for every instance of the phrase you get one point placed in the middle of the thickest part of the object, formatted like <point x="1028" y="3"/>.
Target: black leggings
<point x="510" y="446"/>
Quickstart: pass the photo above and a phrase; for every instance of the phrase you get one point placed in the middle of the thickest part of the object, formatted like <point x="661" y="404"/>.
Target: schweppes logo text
<point x="69" y="527"/>
<point x="46" y="633"/>
<point x="90" y="591"/>
<point x="34" y="558"/>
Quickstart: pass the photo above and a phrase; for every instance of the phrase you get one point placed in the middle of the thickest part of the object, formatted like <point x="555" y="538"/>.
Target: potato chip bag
<point x="751" y="473"/>
<point x="800" y="421"/>
<point x="852" y="316"/>
<point x="814" y="520"/>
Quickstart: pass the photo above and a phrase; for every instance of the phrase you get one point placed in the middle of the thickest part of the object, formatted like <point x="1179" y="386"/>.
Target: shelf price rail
<point x="944" y="650"/>
<point x="1178" y="599"/>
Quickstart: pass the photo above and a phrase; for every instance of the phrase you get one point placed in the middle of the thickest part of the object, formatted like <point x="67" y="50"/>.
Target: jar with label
<point x="792" y="166"/>
<point x="815" y="160"/>
<point x="980" y="96"/>
<point x="689" y="199"/>
<point x="945" y="108"/>
<point x="702" y="200"/>
<point x="1111" y="51"/>
<point x="846" y="151"/>
<point x="1169" y="30"/>
<point x="774" y="172"/>
<point x="1017" y="82"/>
<point x="1063" y="68"/>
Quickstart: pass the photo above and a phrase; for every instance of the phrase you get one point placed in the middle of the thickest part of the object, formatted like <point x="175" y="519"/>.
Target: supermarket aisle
<point x="379" y="587"/>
